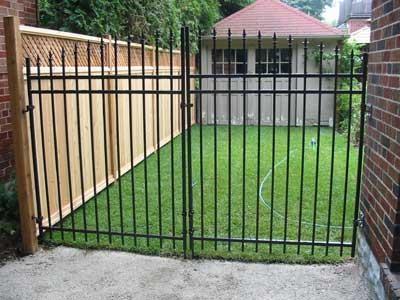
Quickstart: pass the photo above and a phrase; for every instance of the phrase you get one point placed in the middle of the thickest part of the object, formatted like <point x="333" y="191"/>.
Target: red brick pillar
<point x="26" y="11"/>
<point x="380" y="200"/>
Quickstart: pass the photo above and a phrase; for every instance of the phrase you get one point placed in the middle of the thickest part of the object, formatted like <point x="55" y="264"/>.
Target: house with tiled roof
<point x="267" y="17"/>
<point x="355" y="20"/>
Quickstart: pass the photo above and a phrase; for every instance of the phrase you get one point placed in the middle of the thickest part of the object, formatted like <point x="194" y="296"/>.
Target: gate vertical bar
<point x="189" y="138"/>
<point x="121" y="211"/>
<point x="201" y="145"/>
<point x="214" y="37"/>
<point x="258" y="63"/>
<point x="244" y="140"/>
<point x="131" y="141"/>
<point x="290" y="47"/>
<point x="328" y="230"/>
<point x="43" y="146"/>
<point x="33" y="143"/>
<point x="273" y="142"/>
<point x="55" y="140"/>
<point x="146" y="191"/>
<point x="157" y="54"/>
<point x="229" y="139"/>
<point x="171" y="86"/>
<point x="183" y="140"/>
<point x="346" y="177"/>
<point x="360" y="152"/>
<point x="105" y="134"/>
<point x="302" y="146"/>
<point x="91" y="121"/>
<point x="67" y="144"/>
<point x="79" y="131"/>
<point x="321" y="46"/>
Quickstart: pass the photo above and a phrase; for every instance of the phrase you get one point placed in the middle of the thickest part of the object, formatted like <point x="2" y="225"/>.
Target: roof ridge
<point x="299" y="12"/>
<point x="275" y="16"/>
<point x="238" y="12"/>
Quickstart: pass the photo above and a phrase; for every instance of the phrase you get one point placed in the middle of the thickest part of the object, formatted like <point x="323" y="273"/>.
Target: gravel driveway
<point x="66" y="273"/>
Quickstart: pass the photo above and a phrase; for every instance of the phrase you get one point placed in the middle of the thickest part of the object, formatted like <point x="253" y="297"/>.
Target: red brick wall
<point x="380" y="200"/>
<point x="26" y="11"/>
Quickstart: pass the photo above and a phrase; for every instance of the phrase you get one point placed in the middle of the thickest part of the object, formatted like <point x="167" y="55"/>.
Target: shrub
<point x="343" y="100"/>
<point x="343" y="106"/>
<point x="9" y="214"/>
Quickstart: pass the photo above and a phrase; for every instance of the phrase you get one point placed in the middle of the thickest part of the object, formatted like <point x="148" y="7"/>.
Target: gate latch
<point x="360" y="222"/>
<point x="28" y="108"/>
<point x="183" y="105"/>
<point x="368" y="110"/>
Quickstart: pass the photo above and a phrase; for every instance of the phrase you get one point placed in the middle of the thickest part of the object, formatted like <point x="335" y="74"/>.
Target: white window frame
<point x="225" y="63"/>
<point x="268" y="63"/>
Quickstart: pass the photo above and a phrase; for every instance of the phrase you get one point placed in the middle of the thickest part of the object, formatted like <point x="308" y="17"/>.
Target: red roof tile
<point x="271" y="16"/>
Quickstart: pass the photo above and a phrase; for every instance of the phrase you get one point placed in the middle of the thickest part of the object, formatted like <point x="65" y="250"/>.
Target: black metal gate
<point x="282" y="178"/>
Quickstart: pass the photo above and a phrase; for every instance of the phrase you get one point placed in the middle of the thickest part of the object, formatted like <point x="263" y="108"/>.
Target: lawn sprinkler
<point x="313" y="143"/>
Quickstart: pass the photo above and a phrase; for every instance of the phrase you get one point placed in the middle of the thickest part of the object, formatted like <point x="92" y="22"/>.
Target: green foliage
<point x="8" y="207"/>
<point x="228" y="7"/>
<point x="312" y="7"/>
<point x="343" y="107"/>
<point x="128" y="17"/>
<point x="344" y="66"/>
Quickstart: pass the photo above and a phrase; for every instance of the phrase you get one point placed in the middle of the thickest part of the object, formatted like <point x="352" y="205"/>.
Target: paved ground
<point x="65" y="273"/>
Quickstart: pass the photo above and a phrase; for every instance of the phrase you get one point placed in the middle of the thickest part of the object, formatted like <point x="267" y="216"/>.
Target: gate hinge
<point x="368" y="110"/>
<point x="28" y="108"/>
<point x="183" y="105"/>
<point x="38" y="220"/>
<point x="360" y="222"/>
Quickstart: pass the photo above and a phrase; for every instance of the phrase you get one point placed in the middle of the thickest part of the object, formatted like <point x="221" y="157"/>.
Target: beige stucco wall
<point x="282" y="100"/>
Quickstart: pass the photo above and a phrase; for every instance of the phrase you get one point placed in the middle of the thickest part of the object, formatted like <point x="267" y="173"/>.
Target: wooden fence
<point x="37" y="43"/>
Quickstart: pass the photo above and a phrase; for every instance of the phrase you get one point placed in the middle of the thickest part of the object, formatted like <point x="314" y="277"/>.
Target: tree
<point x="129" y="17"/>
<point x="228" y="7"/>
<point x="311" y="7"/>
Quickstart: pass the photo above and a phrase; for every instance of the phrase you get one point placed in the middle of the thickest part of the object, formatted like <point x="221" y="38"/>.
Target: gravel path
<point x="66" y="273"/>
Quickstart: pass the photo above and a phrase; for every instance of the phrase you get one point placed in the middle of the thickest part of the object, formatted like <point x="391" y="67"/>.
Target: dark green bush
<point x="9" y="214"/>
<point x="129" y="17"/>
<point x="343" y="100"/>
<point x="343" y="106"/>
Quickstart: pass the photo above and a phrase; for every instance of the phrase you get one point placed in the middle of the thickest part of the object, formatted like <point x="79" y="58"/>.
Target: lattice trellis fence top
<point x="39" y="43"/>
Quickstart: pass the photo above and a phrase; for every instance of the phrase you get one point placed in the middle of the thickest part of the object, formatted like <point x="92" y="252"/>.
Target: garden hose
<point x="268" y="205"/>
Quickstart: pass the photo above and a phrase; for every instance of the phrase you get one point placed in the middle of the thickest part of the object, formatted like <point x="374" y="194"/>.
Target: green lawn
<point x="171" y="200"/>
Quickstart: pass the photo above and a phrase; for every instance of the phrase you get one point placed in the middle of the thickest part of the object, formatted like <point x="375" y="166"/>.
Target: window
<point x="265" y="61"/>
<point x="238" y="57"/>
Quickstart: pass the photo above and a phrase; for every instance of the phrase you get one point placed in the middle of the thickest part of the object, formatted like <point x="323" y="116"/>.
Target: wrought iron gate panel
<point x="259" y="169"/>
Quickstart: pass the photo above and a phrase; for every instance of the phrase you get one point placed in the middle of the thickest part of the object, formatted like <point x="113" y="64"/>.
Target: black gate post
<point x="360" y="152"/>
<point x="183" y="139"/>
<point x="189" y="139"/>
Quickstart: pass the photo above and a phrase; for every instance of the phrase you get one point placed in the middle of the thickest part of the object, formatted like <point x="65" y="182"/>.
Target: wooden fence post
<point x="21" y="139"/>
